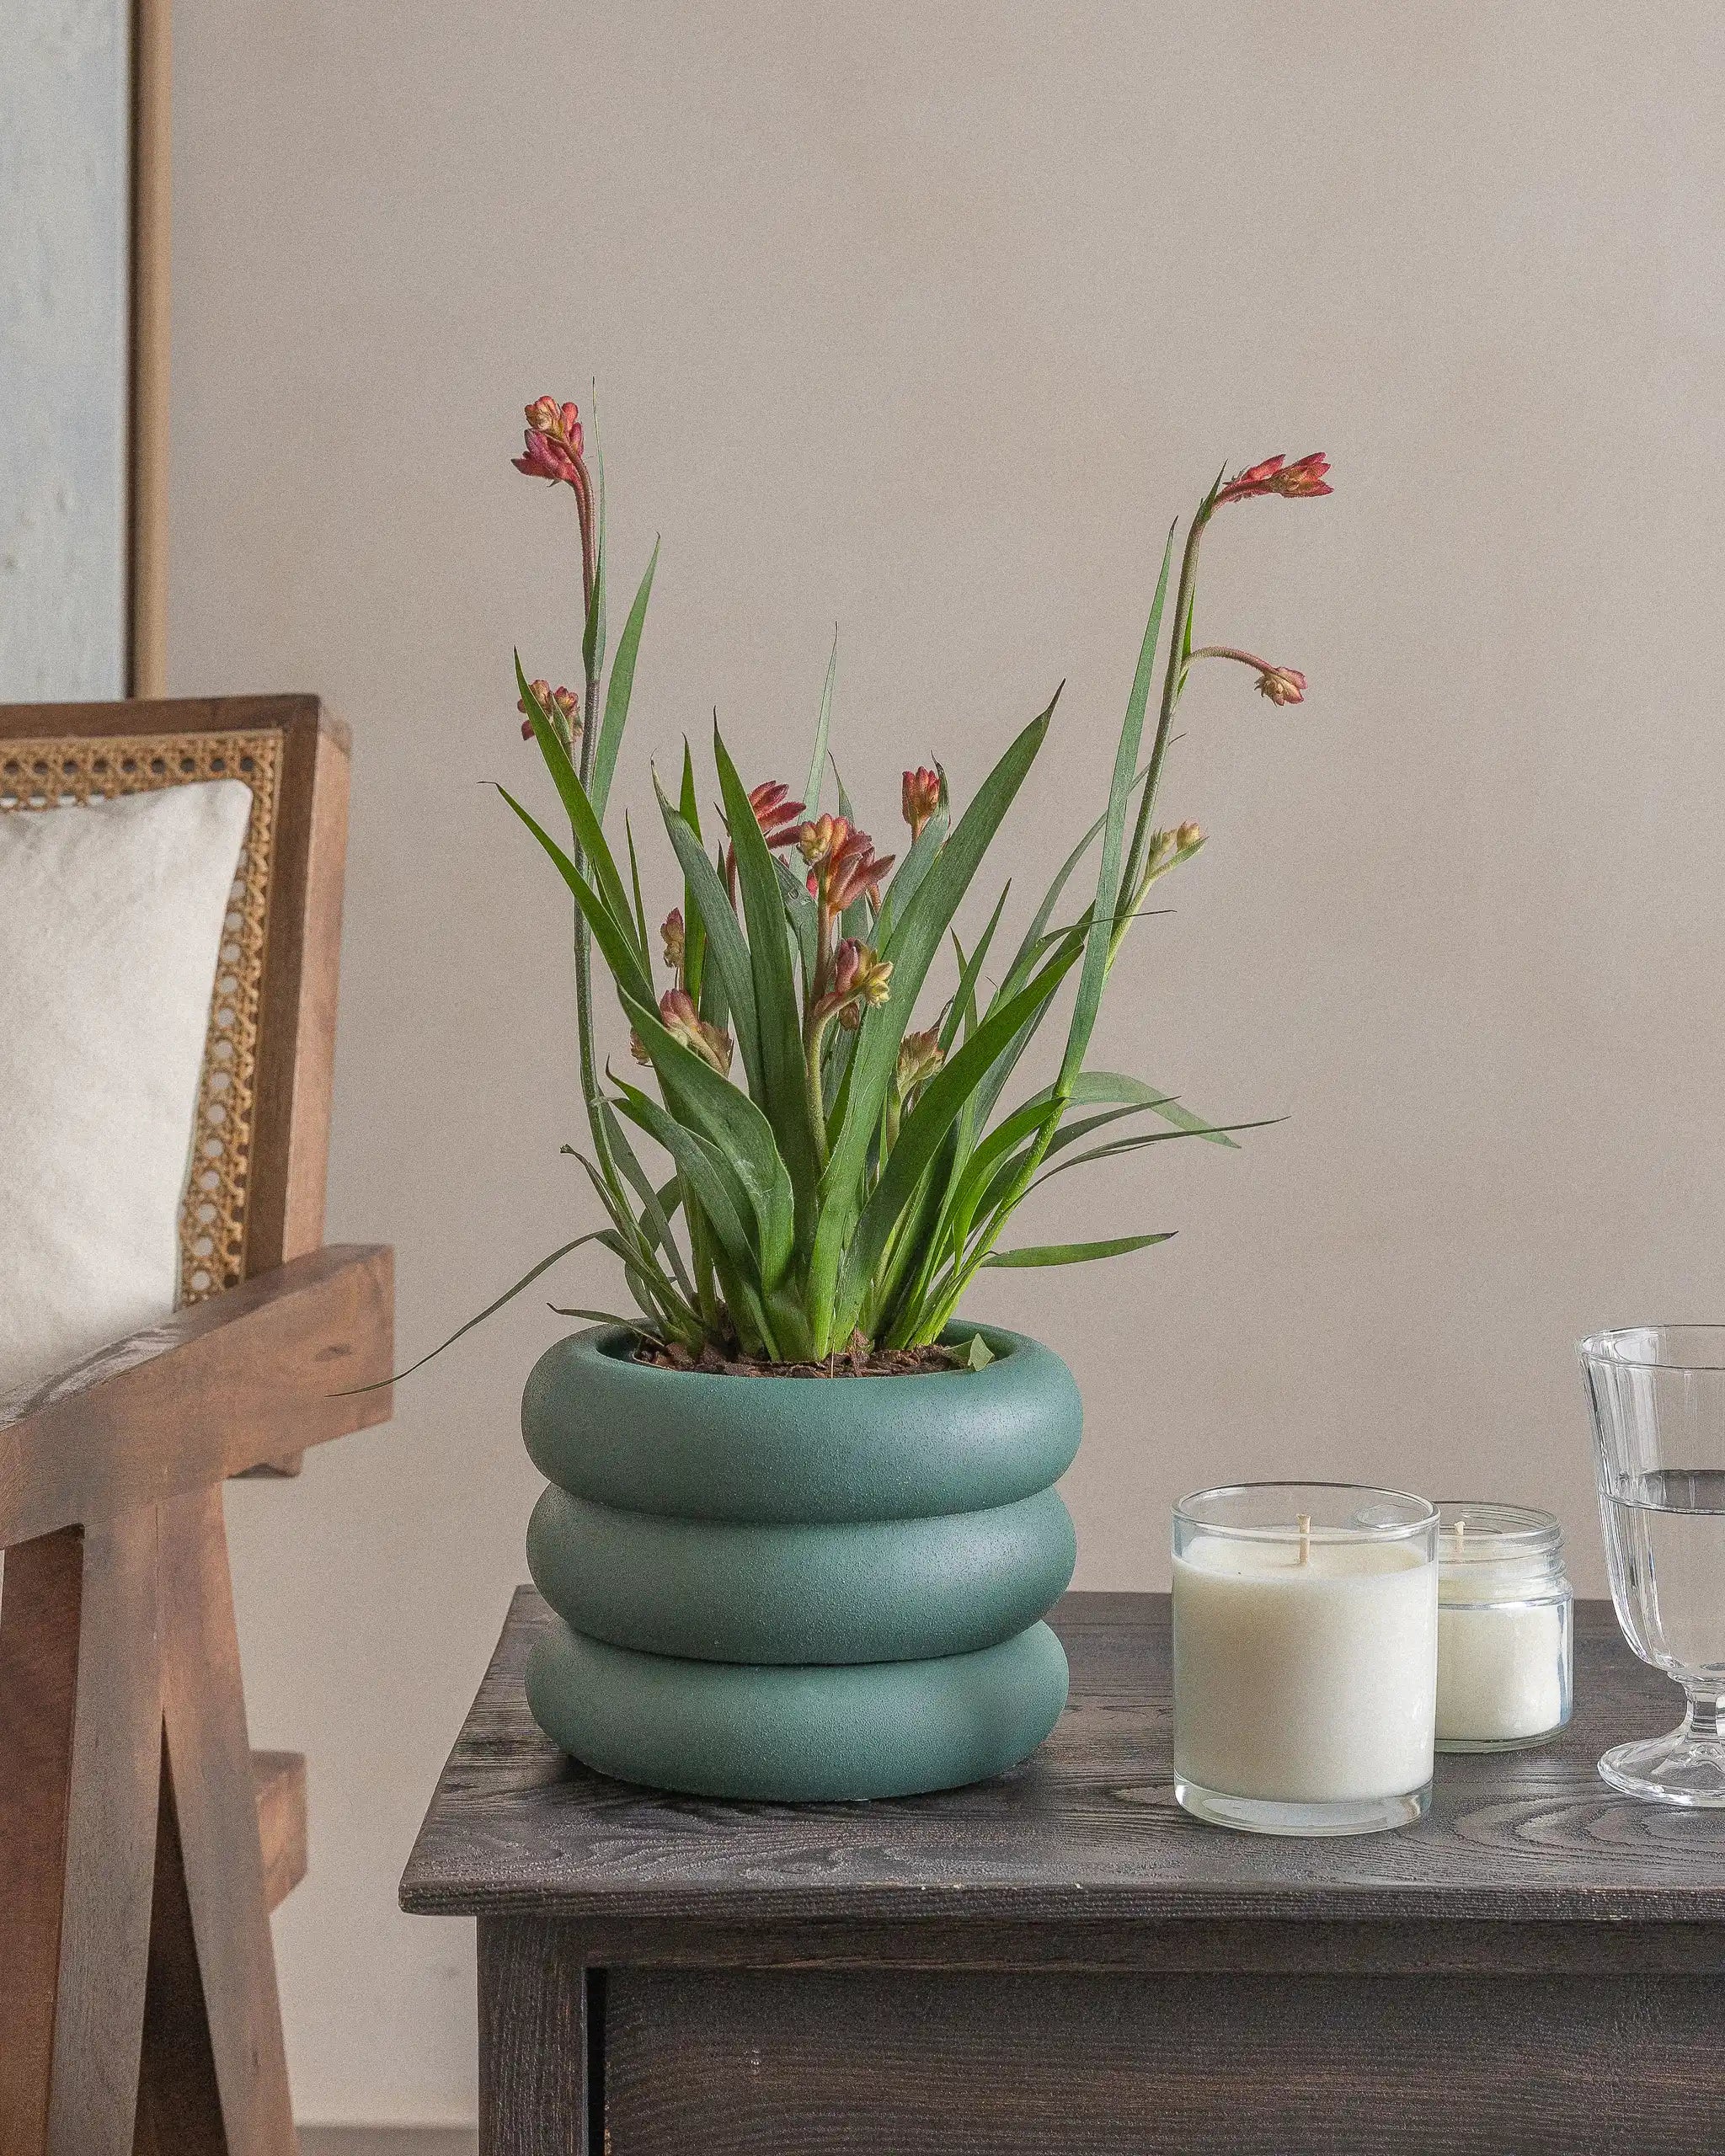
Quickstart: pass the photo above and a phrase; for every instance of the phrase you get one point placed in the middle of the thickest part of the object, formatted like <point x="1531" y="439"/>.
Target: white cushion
<point x="111" y="918"/>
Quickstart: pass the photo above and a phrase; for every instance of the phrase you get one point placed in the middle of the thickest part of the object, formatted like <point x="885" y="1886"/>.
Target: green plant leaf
<point x="1099" y="942"/>
<point x="980" y="1354"/>
<point x="962" y="1012"/>
<point x="726" y="953"/>
<point x="803" y="914"/>
<point x="602" y="1317"/>
<point x="593" y="633"/>
<point x="694" y="921"/>
<point x="1137" y="1140"/>
<point x="910" y="872"/>
<point x="1074" y="1253"/>
<point x="817" y="762"/>
<point x="941" y="1102"/>
<point x="618" y="691"/>
<point x="635" y="886"/>
<point x="490" y="1309"/>
<point x="784" y="1097"/>
<point x="595" y="854"/>
<point x="697" y="1095"/>
<point x="720" y="1193"/>
<point x="616" y="944"/>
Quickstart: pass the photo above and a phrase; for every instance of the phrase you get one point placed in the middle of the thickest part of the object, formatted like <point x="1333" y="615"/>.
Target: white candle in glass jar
<point x="1305" y="1670"/>
<point x="1504" y="1627"/>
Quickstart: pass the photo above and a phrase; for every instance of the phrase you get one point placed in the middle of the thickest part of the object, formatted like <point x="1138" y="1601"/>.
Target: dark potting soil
<point x="854" y="1361"/>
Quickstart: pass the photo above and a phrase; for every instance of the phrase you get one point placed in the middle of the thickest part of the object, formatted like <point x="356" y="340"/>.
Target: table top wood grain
<point x="1084" y="1841"/>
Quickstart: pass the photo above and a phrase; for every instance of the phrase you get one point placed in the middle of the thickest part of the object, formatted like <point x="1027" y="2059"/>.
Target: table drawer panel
<point x="920" y="2063"/>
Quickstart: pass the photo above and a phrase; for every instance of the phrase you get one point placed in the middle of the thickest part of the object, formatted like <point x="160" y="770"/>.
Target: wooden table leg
<point x="535" y="2026"/>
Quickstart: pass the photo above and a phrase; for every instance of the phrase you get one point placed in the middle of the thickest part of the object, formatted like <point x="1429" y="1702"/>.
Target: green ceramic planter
<point x="795" y="1587"/>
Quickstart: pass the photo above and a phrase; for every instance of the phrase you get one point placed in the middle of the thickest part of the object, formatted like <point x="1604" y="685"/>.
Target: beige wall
<point x="925" y="318"/>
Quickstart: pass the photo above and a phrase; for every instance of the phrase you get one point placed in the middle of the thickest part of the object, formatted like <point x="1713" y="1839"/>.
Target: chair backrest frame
<point x="292" y="1075"/>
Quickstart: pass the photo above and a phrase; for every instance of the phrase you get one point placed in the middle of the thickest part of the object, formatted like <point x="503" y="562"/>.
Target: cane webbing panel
<point x="56" y="772"/>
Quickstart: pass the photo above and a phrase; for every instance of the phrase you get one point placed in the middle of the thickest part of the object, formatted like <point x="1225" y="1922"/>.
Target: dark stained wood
<point x="214" y="1388"/>
<point x="278" y="1786"/>
<point x="774" y="2064"/>
<point x="1062" y="1959"/>
<point x="1086" y="1834"/>
<point x="533" y="2038"/>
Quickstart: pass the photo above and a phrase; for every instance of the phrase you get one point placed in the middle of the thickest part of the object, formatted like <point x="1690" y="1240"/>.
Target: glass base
<point x="1255" y="1815"/>
<point x="1501" y="1743"/>
<point x="1680" y="1769"/>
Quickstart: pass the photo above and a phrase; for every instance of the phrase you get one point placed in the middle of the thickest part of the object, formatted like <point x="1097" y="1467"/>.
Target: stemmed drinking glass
<point x="1658" y="1396"/>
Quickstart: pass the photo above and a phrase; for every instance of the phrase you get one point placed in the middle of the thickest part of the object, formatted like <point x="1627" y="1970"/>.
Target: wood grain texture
<point x="533" y="2037"/>
<point x="1084" y="1841"/>
<point x="774" y="2064"/>
<point x="251" y="1374"/>
<point x="79" y="1750"/>
<point x="278" y="1786"/>
<point x="39" y="1614"/>
<point x="210" y="1761"/>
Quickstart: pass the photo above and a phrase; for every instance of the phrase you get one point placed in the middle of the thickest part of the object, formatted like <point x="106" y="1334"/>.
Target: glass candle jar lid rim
<point x="1695" y="1347"/>
<point x="1480" y="1532"/>
<point x="1279" y="1511"/>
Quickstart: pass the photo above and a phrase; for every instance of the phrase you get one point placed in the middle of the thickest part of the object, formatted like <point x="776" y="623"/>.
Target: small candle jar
<point x="1504" y="1625"/>
<point x="1305" y="1645"/>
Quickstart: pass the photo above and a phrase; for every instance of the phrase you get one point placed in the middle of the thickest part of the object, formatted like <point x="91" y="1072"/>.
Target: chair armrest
<point x="252" y="1375"/>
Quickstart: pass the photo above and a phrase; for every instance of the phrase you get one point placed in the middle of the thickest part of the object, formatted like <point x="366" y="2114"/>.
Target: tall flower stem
<point x="1173" y="680"/>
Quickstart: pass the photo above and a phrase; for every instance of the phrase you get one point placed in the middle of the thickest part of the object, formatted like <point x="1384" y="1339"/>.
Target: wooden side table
<point x="1062" y="1960"/>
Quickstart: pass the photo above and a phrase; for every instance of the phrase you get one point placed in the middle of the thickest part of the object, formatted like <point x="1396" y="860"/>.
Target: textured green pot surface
<point x="867" y="1591"/>
<point x="602" y="1426"/>
<point x="799" y="1587"/>
<point x="798" y="1735"/>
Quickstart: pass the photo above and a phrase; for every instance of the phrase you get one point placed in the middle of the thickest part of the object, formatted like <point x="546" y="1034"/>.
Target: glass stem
<point x="1702" y="1721"/>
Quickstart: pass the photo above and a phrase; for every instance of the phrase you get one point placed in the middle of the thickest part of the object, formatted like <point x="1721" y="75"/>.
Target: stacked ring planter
<point x="799" y="1587"/>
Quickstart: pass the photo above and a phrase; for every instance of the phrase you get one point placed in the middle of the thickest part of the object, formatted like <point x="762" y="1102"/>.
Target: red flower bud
<point x="919" y="797"/>
<point x="1282" y="685"/>
<point x="684" y="1023"/>
<point x="775" y="812"/>
<point x="1276" y="476"/>
<point x="545" y="459"/>
<point x="671" y="929"/>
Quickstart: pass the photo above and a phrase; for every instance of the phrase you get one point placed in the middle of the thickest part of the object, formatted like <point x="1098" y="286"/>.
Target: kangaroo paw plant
<point x="842" y="1164"/>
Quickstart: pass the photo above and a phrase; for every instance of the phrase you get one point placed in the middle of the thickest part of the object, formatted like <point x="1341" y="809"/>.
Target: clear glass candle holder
<point x="1505" y="1622"/>
<point x="1305" y="1657"/>
<point x="1657" y="1397"/>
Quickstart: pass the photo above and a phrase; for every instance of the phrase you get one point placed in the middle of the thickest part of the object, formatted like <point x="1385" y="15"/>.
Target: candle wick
<point x="1305" y="1526"/>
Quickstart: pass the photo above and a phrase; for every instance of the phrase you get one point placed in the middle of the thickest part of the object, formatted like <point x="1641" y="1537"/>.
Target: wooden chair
<point x="142" y="1842"/>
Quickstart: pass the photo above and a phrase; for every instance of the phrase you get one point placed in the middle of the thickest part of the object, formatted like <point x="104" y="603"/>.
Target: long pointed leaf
<point x="618" y="690"/>
<point x="727" y="954"/>
<point x="595" y="854"/>
<point x="697" y="1095"/>
<point x="784" y="1094"/>
<point x="817" y="763"/>
<point x="490" y="1309"/>
<point x="1074" y="1253"/>
<point x="942" y="1101"/>
<point x="615" y="944"/>
<point x="916" y="939"/>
